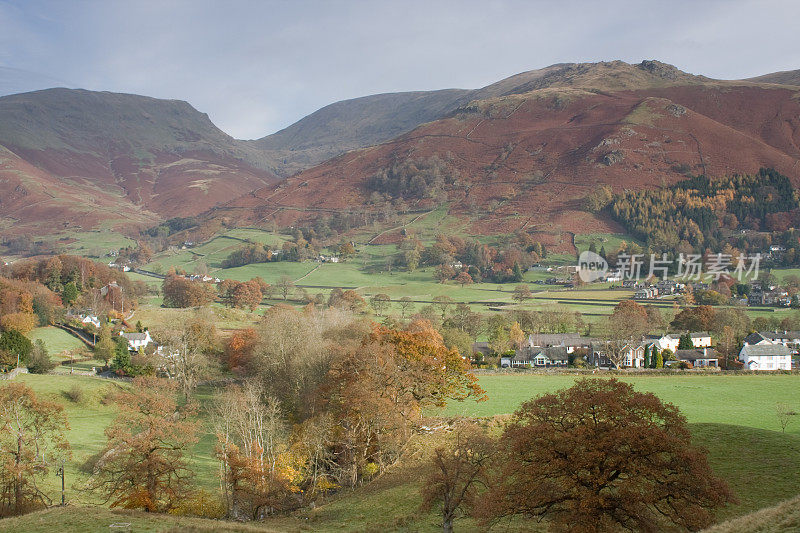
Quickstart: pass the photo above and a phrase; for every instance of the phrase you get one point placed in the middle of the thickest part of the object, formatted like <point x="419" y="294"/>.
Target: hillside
<point x="352" y="124"/>
<point x="786" y="77"/>
<point x="81" y="158"/>
<point x="525" y="155"/>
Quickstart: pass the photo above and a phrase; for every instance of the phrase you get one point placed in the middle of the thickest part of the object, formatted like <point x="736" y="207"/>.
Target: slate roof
<point x="765" y="350"/>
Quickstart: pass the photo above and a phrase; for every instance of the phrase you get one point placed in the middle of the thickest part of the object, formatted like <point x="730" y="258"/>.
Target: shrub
<point x="75" y="394"/>
<point x="39" y="361"/>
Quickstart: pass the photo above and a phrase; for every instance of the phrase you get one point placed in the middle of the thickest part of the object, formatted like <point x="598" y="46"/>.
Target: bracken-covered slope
<point x="80" y="158"/>
<point x="526" y="153"/>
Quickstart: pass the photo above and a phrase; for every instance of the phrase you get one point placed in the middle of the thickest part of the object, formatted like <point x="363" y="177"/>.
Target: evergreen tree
<point x="603" y="252"/>
<point x="70" y="293"/>
<point x="659" y="360"/>
<point x="647" y="356"/>
<point x="593" y="247"/>
<point x="685" y="342"/>
<point x="517" y="273"/>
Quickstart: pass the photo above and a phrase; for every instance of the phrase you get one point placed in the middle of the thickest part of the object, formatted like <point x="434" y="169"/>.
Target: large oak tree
<point x="600" y="456"/>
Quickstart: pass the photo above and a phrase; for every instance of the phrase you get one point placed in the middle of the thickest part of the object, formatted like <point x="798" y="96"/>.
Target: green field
<point x="57" y="340"/>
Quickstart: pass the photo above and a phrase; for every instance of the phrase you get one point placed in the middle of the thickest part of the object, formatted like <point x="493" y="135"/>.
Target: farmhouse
<point x="90" y="319"/>
<point x="670" y="341"/>
<point x="697" y="357"/>
<point x="766" y="357"/>
<point x="633" y="353"/>
<point x="570" y="341"/>
<point x="137" y="341"/>
<point x="536" y="358"/>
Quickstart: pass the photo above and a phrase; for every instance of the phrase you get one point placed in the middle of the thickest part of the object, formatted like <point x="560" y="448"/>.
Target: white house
<point x="701" y="339"/>
<point x="766" y="357"/>
<point x="137" y="341"/>
<point x="536" y="358"/>
<point x="91" y="319"/>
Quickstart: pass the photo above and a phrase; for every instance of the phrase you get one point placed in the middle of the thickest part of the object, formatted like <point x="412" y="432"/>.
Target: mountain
<point x="786" y="77"/>
<point x="352" y="124"/>
<point x="77" y="158"/>
<point x="366" y="121"/>
<point x="525" y="152"/>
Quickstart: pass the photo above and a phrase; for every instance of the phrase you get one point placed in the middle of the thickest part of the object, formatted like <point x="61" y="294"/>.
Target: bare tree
<point x="785" y="414"/>
<point x="185" y="347"/>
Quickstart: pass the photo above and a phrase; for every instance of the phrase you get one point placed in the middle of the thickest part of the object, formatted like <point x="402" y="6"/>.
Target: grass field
<point x="57" y="340"/>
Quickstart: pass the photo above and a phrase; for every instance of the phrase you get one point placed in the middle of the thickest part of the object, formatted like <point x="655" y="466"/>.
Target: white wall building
<point x="766" y="357"/>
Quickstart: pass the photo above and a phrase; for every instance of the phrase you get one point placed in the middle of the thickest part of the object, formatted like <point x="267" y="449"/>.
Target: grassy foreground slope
<point x="783" y="517"/>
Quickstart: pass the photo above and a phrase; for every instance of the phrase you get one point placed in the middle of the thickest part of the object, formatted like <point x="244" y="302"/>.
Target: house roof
<point x="695" y="354"/>
<point x="765" y="350"/>
<point x="550" y="339"/>
<point x="135" y="336"/>
<point x="773" y="335"/>
<point x="754" y="338"/>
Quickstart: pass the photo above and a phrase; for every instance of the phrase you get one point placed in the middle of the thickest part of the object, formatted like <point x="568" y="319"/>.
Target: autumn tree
<point x="785" y="415"/>
<point x="380" y="302"/>
<point x="142" y="465"/>
<point x="444" y="273"/>
<point x="32" y="439"/>
<point x="239" y="348"/>
<point x="522" y="293"/>
<point x="463" y="278"/>
<point x="188" y="342"/>
<point x="378" y="390"/>
<point x="405" y="304"/>
<point x="443" y="302"/>
<point x="600" y="456"/>
<point x="15" y="343"/>
<point x="182" y="292"/>
<point x="456" y="474"/>
<point x="256" y="469"/>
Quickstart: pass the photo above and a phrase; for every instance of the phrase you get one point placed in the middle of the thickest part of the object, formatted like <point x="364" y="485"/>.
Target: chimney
<point x="705" y="353"/>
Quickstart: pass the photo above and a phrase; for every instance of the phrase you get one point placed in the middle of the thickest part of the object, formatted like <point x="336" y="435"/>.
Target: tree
<point x="516" y="335"/>
<point x="181" y="292"/>
<point x="104" y="347"/>
<point x="456" y="473"/>
<point x="251" y="446"/>
<point x="662" y="356"/>
<point x="522" y="293"/>
<point x="656" y="359"/>
<point x="785" y="414"/>
<point x="380" y="302"/>
<point x="285" y="286"/>
<point x="405" y="304"/>
<point x="188" y="343"/>
<point x="16" y="343"/>
<point x="142" y="465"/>
<point x="601" y="457"/>
<point x="444" y="272"/>
<point x="70" y="293"/>
<point x="443" y="302"/>
<point x="21" y="322"/>
<point x="647" y="357"/>
<point x="39" y="361"/>
<point x="685" y="342"/>
<point x="32" y="438"/>
<point x="463" y="278"/>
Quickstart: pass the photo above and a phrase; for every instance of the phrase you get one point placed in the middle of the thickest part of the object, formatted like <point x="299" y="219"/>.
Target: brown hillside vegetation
<point x="783" y="517"/>
<point x="81" y="158"/>
<point x="526" y="155"/>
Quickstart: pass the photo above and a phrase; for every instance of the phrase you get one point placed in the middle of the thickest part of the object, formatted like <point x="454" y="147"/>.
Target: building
<point x="633" y="355"/>
<point x="137" y="341"/>
<point x="766" y="357"/>
<point x="528" y="357"/>
<point x="700" y="339"/>
<point x="697" y="357"/>
<point x="91" y="319"/>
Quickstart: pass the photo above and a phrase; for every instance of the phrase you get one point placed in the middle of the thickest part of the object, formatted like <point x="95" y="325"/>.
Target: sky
<point x="256" y="66"/>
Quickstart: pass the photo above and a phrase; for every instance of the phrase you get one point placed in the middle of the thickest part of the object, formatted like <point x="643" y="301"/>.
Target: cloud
<point x="258" y="66"/>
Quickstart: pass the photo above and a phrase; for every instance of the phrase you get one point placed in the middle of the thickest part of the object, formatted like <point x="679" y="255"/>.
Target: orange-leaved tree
<point x="142" y="465"/>
<point x="376" y="392"/>
<point x="600" y="456"/>
<point x="32" y="438"/>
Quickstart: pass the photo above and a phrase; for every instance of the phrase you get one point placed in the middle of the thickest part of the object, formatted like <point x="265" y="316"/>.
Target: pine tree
<point x="603" y="252"/>
<point x="647" y="356"/>
<point x="659" y="360"/>
<point x="593" y="247"/>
